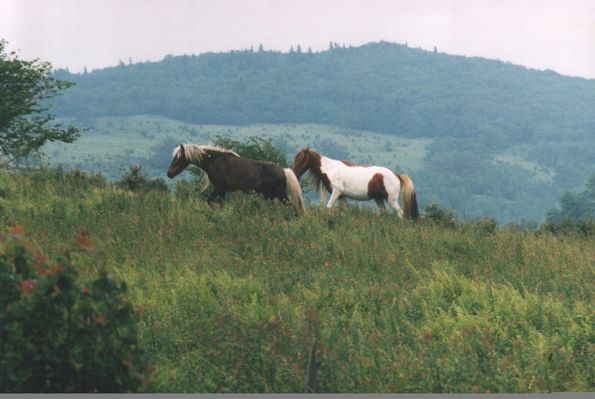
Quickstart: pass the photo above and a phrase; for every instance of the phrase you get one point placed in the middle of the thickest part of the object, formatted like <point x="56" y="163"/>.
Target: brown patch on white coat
<point x="377" y="191"/>
<point x="307" y="160"/>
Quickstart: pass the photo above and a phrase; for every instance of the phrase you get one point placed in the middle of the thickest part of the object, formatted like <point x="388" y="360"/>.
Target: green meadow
<point x="249" y="298"/>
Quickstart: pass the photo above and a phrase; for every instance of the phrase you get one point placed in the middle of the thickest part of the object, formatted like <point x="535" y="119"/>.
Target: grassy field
<point x="112" y="144"/>
<point x="237" y="299"/>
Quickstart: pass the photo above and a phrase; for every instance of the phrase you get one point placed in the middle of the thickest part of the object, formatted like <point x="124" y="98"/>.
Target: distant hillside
<point x="506" y="141"/>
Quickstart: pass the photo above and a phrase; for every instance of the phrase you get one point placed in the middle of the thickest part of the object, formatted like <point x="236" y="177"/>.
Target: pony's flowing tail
<point x="409" y="197"/>
<point x="293" y="190"/>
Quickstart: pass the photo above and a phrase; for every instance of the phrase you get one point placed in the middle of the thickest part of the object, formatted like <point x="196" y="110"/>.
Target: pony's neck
<point x="326" y="163"/>
<point x="314" y="166"/>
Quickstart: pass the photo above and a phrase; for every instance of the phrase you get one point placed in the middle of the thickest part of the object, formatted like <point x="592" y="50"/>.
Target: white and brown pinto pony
<point x="360" y="182"/>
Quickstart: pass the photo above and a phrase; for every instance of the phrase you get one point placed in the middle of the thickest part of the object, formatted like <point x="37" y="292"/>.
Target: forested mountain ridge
<point x="506" y="140"/>
<point x="383" y="87"/>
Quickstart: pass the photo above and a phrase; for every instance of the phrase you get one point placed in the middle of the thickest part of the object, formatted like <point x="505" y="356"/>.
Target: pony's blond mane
<point x="195" y="155"/>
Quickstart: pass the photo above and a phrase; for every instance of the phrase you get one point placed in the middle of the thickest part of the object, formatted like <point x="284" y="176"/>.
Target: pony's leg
<point x="380" y="204"/>
<point x="395" y="204"/>
<point x="212" y="198"/>
<point x="218" y="194"/>
<point x="284" y="200"/>
<point x="342" y="202"/>
<point x="334" y="197"/>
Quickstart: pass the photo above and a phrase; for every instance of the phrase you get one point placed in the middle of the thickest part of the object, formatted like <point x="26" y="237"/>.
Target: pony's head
<point x="309" y="161"/>
<point x="179" y="162"/>
<point x="303" y="161"/>
<point x="185" y="154"/>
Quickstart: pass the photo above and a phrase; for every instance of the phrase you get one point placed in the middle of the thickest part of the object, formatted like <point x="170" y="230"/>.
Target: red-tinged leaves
<point x="17" y="230"/>
<point x="27" y="285"/>
<point x="40" y="292"/>
<point x="55" y="268"/>
<point x="140" y="309"/>
<point x="83" y="241"/>
<point x="99" y="319"/>
<point x="40" y="262"/>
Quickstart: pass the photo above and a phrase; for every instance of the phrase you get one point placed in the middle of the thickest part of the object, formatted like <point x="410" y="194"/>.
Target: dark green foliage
<point x="565" y="227"/>
<point x="254" y="148"/>
<point x="86" y="178"/>
<point x="62" y="330"/>
<point x="576" y="206"/>
<point x="134" y="180"/>
<point x="25" y="124"/>
<point x="441" y="216"/>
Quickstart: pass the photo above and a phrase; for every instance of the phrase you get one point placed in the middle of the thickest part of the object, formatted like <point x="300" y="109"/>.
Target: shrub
<point x="133" y="180"/>
<point x="60" y="332"/>
<point x="255" y="148"/>
<point x="83" y="177"/>
<point x="566" y="226"/>
<point x="439" y="215"/>
<point x="484" y="226"/>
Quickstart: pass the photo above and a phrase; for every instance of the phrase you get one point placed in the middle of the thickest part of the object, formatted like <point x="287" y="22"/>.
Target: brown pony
<point x="360" y="182"/>
<point x="227" y="171"/>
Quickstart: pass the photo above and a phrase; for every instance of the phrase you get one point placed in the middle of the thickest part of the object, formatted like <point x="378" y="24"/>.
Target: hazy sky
<point x="541" y="34"/>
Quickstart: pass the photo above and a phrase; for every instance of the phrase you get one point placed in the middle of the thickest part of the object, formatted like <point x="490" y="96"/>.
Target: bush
<point x="254" y="148"/>
<point x="483" y="226"/>
<point x="439" y="215"/>
<point x="83" y="177"/>
<point x="133" y="180"/>
<point x="60" y="332"/>
<point x="584" y="227"/>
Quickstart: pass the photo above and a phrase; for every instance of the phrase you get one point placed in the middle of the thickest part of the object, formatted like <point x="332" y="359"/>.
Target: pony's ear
<point x="182" y="149"/>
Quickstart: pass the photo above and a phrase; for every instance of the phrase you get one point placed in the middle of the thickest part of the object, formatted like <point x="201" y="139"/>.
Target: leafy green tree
<point x="576" y="206"/>
<point x="25" y="124"/>
<point x="255" y="148"/>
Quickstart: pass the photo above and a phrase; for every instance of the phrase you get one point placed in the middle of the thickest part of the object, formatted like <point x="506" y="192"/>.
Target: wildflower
<point x="27" y="285"/>
<point x="17" y="229"/>
<point x="83" y="241"/>
<point x="140" y="309"/>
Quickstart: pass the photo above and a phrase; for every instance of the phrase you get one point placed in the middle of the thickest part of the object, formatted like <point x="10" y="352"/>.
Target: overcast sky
<point x="541" y="34"/>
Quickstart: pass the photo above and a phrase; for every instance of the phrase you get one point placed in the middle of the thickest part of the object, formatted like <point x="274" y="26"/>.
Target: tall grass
<point x="236" y="298"/>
